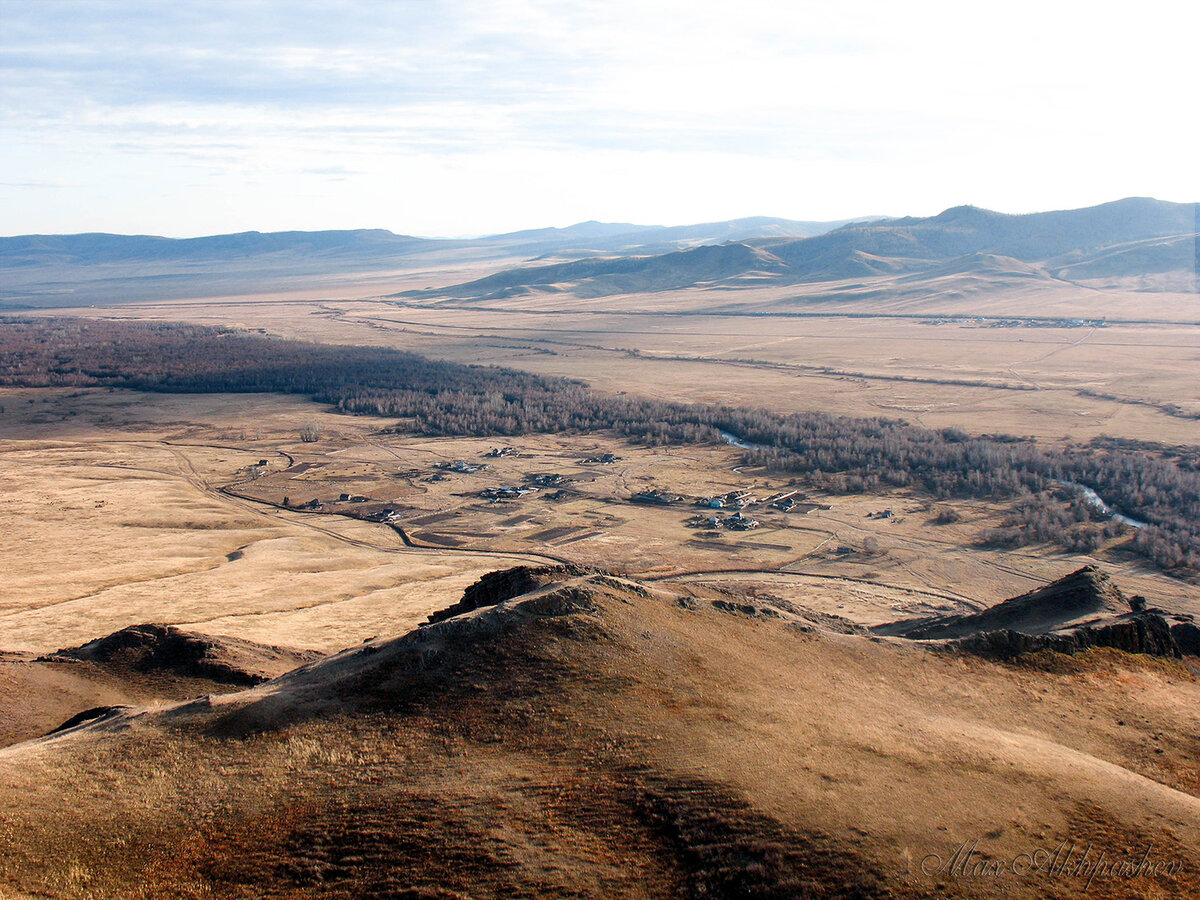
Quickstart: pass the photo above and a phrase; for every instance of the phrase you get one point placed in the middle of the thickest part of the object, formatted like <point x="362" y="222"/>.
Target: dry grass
<point x="116" y="518"/>
<point x="643" y="749"/>
<point x="142" y="478"/>
<point x="1099" y="661"/>
<point x="823" y="361"/>
<point x="656" y="748"/>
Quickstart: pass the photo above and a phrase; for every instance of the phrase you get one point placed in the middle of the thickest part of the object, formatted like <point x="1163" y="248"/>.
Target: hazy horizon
<point x="563" y="226"/>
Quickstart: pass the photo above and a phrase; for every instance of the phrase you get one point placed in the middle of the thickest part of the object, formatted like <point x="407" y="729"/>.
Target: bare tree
<point x="310" y="433"/>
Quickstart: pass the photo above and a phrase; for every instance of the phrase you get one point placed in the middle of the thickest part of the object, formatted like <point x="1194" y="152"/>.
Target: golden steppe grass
<point x="851" y="348"/>
<point x="126" y="508"/>
<point x="639" y="746"/>
<point x="114" y="518"/>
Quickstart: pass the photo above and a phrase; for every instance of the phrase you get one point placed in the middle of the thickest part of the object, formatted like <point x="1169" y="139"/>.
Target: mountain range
<point x="1136" y="243"/>
<point x="66" y="270"/>
<point x="1131" y="238"/>
<point x="379" y="244"/>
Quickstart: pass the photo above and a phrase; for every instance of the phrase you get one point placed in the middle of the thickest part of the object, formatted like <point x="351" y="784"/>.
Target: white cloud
<point x="429" y="117"/>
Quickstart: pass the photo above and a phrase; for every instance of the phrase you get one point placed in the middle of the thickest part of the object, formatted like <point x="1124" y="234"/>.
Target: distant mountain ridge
<point x="100" y="248"/>
<point x="1136" y="243"/>
<point x="1126" y="238"/>
<point x="1044" y="235"/>
<point x="63" y="270"/>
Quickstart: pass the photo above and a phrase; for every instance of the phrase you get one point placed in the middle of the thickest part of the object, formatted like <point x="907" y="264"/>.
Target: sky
<point x="434" y="118"/>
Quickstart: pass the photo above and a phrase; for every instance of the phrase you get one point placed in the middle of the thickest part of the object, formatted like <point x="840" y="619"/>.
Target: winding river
<point x="1096" y="502"/>
<point x="735" y="441"/>
<point x="1090" y="497"/>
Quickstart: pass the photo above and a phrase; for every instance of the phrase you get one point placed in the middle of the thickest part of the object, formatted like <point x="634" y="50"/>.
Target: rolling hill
<point x="567" y="732"/>
<point x="1135" y="244"/>
<point x="65" y="270"/>
<point x="623" y="275"/>
<point x="1126" y="239"/>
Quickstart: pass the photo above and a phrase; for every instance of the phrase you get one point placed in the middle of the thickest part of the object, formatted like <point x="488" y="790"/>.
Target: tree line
<point x="1061" y="517"/>
<point x="835" y="453"/>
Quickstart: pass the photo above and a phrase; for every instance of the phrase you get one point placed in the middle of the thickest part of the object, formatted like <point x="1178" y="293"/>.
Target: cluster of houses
<point x="655" y="496"/>
<point x="733" y="499"/>
<point x="604" y="459"/>
<point x="736" y="522"/>
<point x="505" y="493"/>
<point x="534" y="482"/>
<point x="546" y="479"/>
<point x="785" y="501"/>
<point x="497" y="452"/>
<point x="463" y="468"/>
<point x="737" y="500"/>
<point x="1045" y="323"/>
<point x="989" y="322"/>
<point x="386" y="515"/>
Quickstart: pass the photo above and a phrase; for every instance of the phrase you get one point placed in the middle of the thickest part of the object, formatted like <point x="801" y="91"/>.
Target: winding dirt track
<point x="273" y="511"/>
<point x="229" y="494"/>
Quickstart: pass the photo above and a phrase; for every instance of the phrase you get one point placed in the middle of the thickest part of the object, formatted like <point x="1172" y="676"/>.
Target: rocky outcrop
<point x="1082" y="610"/>
<point x="1147" y="633"/>
<point x="496" y="587"/>
<point x="167" y="649"/>
<point x="1086" y="592"/>
<point x="1187" y="637"/>
<point x="745" y="609"/>
<point x="95" y="714"/>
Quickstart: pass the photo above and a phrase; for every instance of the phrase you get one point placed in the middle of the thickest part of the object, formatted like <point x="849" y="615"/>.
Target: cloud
<point x="54" y="183"/>
<point x="916" y="102"/>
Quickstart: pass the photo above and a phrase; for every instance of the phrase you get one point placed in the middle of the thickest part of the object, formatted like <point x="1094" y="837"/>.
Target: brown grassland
<point x="722" y="724"/>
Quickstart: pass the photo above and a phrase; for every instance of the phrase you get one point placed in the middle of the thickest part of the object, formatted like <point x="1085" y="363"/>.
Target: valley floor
<point x="127" y="508"/>
<point x="717" y="721"/>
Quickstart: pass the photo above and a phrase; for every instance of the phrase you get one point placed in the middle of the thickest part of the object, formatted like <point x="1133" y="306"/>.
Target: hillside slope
<point x="66" y="270"/>
<point x="623" y="275"/>
<point x="1086" y="595"/>
<point x="138" y="665"/>
<point x="1126" y="239"/>
<point x="594" y="737"/>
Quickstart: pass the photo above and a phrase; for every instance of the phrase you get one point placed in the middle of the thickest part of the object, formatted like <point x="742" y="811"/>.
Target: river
<point x="736" y="441"/>
<point x="1090" y="497"/>
<point x="1095" y="501"/>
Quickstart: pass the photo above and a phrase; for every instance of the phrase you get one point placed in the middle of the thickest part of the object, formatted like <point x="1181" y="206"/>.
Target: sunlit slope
<point x="594" y="737"/>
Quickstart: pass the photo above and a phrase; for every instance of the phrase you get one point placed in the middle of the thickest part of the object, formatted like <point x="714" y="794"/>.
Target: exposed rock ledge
<point x="1147" y="633"/>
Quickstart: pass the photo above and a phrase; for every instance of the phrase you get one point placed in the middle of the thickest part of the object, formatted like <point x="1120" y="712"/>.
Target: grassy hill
<point x="66" y="270"/>
<point x="579" y="734"/>
<point x="1124" y="239"/>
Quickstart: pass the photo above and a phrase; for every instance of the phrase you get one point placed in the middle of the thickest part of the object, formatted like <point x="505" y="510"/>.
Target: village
<point x="734" y="505"/>
<point x="549" y="497"/>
